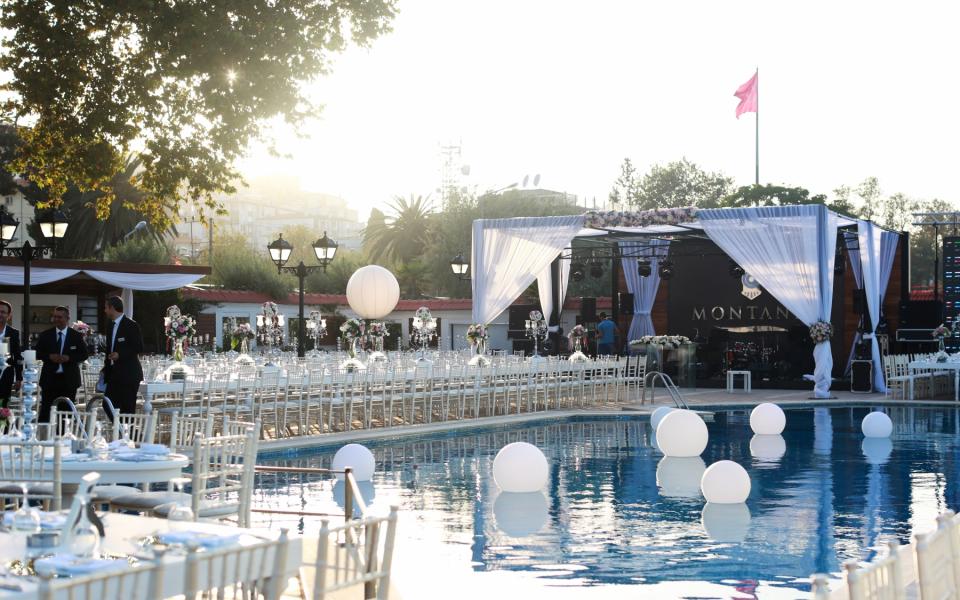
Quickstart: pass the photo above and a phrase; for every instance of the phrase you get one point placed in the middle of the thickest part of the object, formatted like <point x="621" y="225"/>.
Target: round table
<point x="125" y="471"/>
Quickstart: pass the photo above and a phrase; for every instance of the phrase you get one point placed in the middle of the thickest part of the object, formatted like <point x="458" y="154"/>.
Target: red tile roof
<point x="251" y="297"/>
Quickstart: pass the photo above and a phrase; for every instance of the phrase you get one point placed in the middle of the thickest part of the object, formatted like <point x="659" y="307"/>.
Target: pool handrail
<point x="650" y="381"/>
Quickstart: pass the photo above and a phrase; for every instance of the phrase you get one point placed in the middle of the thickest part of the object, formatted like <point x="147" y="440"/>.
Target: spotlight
<point x="596" y="270"/>
<point x="736" y="270"/>
<point x="576" y="272"/>
<point x="666" y="269"/>
<point x="643" y="267"/>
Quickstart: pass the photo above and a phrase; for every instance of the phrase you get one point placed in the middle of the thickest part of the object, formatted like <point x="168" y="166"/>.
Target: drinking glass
<point x="27" y="518"/>
<point x="181" y="512"/>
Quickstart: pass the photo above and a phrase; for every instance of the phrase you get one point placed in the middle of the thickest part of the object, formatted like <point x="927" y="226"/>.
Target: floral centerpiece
<point x="577" y="338"/>
<point x="424" y="328"/>
<point x="536" y="315"/>
<point x="477" y="335"/>
<point x="672" y="341"/>
<point x="352" y="331"/>
<point x="241" y="335"/>
<point x="939" y="333"/>
<point x="376" y="332"/>
<point x="5" y="416"/>
<point x="178" y="328"/>
<point x="820" y="332"/>
<point x="87" y="333"/>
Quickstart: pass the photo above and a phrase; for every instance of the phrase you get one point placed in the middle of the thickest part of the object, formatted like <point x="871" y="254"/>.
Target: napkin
<point x="48" y="520"/>
<point x="156" y="449"/>
<point x="200" y="538"/>
<point x="117" y="445"/>
<point x="133" y="456"/>
<point x="69" y="564"/>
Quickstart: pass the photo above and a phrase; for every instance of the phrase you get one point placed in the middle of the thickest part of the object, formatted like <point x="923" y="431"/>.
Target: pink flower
<point x="4" y="413"/>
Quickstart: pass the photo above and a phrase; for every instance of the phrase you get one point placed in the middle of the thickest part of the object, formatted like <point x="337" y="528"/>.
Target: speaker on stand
<point x="861" y="376"/>
<point x="625" y="303"/>
<point x="588" y="310"/>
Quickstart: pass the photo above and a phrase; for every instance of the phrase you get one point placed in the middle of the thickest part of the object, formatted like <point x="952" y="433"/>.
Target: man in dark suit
<point x="62" y="350"/>
<point x="122" y="371"/>
<point x="13" y="375"/>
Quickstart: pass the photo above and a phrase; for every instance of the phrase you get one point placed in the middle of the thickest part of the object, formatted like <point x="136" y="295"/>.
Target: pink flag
<point x="748" y="96"/>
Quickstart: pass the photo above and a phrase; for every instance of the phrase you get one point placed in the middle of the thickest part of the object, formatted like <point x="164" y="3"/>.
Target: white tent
<point x="789" y="250"/>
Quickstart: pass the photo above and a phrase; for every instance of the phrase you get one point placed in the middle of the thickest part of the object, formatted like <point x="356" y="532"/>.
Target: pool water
<point x="616" y="512"/>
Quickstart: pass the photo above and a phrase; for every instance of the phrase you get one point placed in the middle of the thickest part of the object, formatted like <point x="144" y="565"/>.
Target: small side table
<point x="747" y="387"/>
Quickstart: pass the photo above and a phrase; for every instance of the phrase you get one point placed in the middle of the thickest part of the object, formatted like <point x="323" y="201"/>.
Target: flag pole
<point x="757" y="122"/>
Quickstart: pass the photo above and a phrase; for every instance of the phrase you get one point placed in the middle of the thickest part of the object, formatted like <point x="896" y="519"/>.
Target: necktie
<point x="60" y="348"/>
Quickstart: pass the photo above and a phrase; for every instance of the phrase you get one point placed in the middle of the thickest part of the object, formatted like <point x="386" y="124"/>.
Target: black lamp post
<point x="280" y="251"/>
<point x="53" y="226"/>
<point x="460" y="266"/>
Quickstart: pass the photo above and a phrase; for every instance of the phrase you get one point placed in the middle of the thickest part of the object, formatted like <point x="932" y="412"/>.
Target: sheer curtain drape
<point x="644" y="289"/>
<point x="545" y="289"/>
<point x="877" y="251"/>
<point x="509" y="254"/>
<point x="790" y="251"/>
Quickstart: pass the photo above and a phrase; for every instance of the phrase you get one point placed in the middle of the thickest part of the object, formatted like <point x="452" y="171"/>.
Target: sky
<point x="567" y="90"/>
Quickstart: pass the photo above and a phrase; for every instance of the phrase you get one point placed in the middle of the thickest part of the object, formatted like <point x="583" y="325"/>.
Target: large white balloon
<point x="768" y="448"/>
<point x="726" y="522"/>
<point x="877" y="425"/>
<point x="767" y="419"/>
<point x="520" y="467"/>
<point x="680" y="477"/>
<point x="359" y="458"/>
<point x="520" y="515"/>
<point x="725" y="482"/>
<point x="658" y="415"/>
<point x="373" y="292"/>
<point x="682" y="433"/>
<point x="877" y="450"/>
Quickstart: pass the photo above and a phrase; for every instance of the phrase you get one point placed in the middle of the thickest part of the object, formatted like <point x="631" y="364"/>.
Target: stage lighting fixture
<point x="643" y="267"/>
<point x="666" y="269"/>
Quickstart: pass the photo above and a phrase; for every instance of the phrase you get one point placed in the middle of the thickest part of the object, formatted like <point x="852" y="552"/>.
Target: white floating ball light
<point x="680" y="477"/>
<point x="373" y="292"/>
<point x="877" y="450"/>
<point x="767" y="419"/>
<point x="726" y="522"/>
<point x="768" y="448"/>
<point x="659" y="414"/>
<point x="682" y="433"/>
<point x="725" y="482"/>
<point x="359" y="458"/>
<point x="520" y="467"/>
<point x="520" y="515"/>
<point x="877" y="425"/>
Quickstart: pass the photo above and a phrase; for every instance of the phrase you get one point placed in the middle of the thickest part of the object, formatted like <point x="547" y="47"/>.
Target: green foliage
<point x="625" y="189"/>
<point x="402" y="237"/>
<point x="770" y="195"/>
<point x="334" y="281"/>
<point x="676" y="184"/>
<point x="141" y="250"/>
<point x="188" y="85"/>
<point x="237" y="265"/>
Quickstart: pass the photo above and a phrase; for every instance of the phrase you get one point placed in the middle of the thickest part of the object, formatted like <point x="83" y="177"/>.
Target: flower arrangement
<point x="423" y="320"/>
<point x="423" y="313"/>
<point x="378" y="329"/>
<point x="536" y="315"/>
<point x="578" y="332"/>
<point x="243" y="330"/>
<point x="269" y="308"/>
<point x="82" y="328"/>
<point x="941" y="332"/>
<point x="352" y="329"/>
<point x="5" y="416"/>
<point x="177" y="326"/>
<point x="597" y="219"/>
<point x="477" y="333"/>
<point x="820" y="332"/>
<point x="673" y="341"/>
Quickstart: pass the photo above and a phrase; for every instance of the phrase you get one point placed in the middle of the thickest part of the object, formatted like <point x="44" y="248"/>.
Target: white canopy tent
<point x="789" y="250"/>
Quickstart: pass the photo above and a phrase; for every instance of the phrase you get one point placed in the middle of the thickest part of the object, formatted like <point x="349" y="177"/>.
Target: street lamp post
<point x="280" y="251"/>
<point x="460" y="266"/>
<point x="53" y="226"/>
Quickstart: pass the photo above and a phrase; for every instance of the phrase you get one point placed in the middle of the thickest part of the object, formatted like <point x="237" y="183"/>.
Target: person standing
<point x="606" y="335"/>
<point x="122" y="372"/>
<point x="61" y="349"/>
<point x="13" y="375"/>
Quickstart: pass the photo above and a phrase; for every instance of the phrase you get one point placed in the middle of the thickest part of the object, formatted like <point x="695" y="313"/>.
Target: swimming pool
<point x="616" y="512"/>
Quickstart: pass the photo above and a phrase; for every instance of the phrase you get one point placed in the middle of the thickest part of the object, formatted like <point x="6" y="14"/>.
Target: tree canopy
<point x="185" y="85"/>
<point x="675" y="184"/>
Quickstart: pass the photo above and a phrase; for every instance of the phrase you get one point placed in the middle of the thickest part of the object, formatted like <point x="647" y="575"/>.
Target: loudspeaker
<point x="860" y="301"/>
<point x="861" y="373"/>
<point x="626" y="303"/>
<point x="588" y="310"/>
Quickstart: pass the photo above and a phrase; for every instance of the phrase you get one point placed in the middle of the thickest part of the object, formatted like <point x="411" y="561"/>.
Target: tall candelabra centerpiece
<point x="536" y="329"/>
<point x="241" y="336"/>
<point x="477" y="336"/>
<point x="577" y="338"/>
<point x="317" y="329"/>
<point x="376" y="332"/>
<point x="178" y="328"/>
<point x="352" y="331"/>
<point x="270" y="327"/>
<point x="424" y="330"/>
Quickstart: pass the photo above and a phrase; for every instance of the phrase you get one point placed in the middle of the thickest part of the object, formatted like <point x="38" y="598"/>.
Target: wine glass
<point x="84" y="538"/>
<point x="27" y="518"/>
<point x="181" y="512"/>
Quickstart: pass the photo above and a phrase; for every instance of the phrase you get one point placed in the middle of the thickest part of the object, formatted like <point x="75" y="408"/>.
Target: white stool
<point x="746" y="381"/>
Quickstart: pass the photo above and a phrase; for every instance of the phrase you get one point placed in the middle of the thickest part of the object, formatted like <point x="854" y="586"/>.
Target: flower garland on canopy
<point x="606" y="219"/>
<point x="674" y="341"/>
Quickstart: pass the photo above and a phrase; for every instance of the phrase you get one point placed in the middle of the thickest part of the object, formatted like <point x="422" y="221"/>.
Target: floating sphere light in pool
<point x="372" y="292"/>
<point x="767" y="419"/>
<point x="520" y="467"/>
<point x="725" y="482"/>
<point x="726" y="522"/>
<point x="659" y="414"/>
<point x="520" y="515"/>
<point x="359" y="458"/>
<point x="877" y="425"/>
<point x="768" y="448"/>
<point x="680" y="477"/>
<point x="877" y="450"/>
<point x="682" y="433"/>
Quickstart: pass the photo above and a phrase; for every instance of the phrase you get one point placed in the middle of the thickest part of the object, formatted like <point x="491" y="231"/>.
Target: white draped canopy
<point x="790" y="250"/>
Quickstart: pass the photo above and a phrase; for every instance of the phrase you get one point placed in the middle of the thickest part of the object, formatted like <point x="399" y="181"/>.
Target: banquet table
<point x="921" y="366"/>
<point x="123" y="532"/>
<point x="124" y="471"/>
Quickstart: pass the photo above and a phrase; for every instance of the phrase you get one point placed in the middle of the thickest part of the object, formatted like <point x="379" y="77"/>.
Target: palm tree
<point x="403" y="237"/>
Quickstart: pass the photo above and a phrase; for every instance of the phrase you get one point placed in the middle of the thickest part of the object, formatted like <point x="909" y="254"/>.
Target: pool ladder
<point x="650" y="381"/>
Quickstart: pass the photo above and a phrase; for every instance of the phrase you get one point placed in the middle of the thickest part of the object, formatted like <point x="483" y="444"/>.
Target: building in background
<point x="21" y="210"/>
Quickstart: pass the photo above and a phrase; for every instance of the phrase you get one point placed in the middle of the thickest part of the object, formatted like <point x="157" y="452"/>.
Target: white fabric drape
<point x="146" y="282"/>
<point x="509" y="254"/>
<point x="644" y="289"/>
<point x="38" y="275"/>
<point x="877" y="251"/>
<point x="126" y="294"/>
<point x="790" y="251"/>
<point x="853" y="252"/>
<point x="545" y="289"/>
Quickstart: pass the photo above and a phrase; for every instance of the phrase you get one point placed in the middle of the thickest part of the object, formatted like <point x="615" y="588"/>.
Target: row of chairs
<point x="928" y="569"/>
<point x="901" y="383"/>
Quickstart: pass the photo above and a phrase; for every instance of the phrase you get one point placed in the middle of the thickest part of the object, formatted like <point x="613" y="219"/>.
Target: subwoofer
<point x="861" y="376"/>
<point x="588" y="310"/>
<point x="626" y="303"/>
